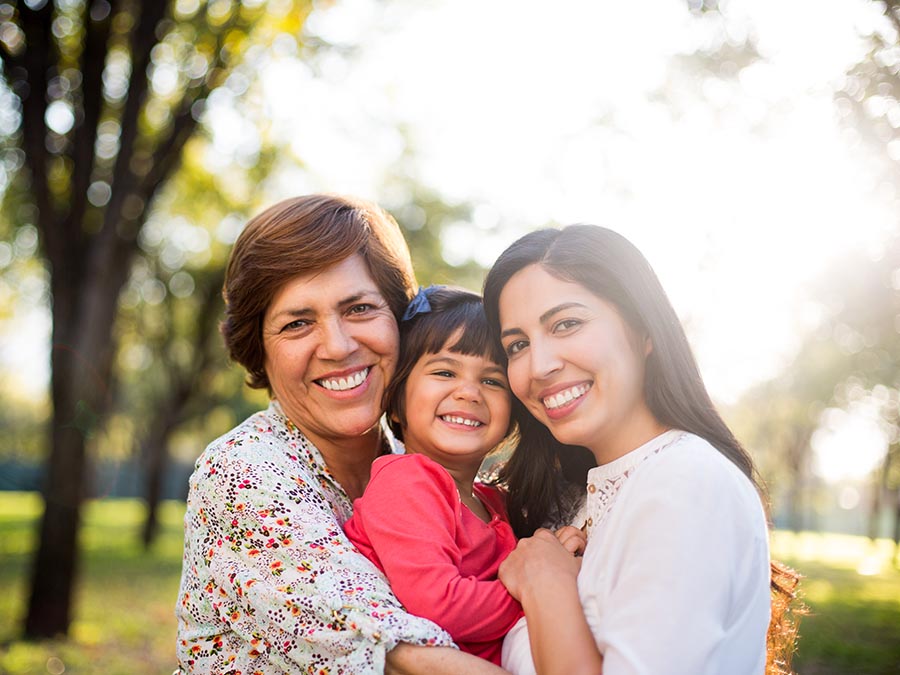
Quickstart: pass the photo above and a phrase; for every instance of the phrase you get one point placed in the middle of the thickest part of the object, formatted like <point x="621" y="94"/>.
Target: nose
<point x="336" y="343"/>
<point x="468" y="390"/>
<point x="545" y="360"/>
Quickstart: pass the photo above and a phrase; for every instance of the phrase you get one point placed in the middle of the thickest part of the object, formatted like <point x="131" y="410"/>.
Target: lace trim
<point x="602" y="490"/>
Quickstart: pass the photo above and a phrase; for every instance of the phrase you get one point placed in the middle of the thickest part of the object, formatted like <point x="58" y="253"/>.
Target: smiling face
<point x="575" y="364"/>
<point x="457" y="407"/>
<point x="331" y="346"/>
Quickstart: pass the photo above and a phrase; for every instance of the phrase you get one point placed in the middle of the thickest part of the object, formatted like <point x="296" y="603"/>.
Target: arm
<point x="542" y="575"/>
<point x="407" y="659"/>
<point x="410" y="516"/>
<point x="284" y="578"/>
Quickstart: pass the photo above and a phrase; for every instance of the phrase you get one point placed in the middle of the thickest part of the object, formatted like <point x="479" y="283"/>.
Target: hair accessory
<point x="419" y="304"/>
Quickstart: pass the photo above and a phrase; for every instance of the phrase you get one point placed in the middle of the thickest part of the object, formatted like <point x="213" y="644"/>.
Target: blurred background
<point x="749" y="148"/>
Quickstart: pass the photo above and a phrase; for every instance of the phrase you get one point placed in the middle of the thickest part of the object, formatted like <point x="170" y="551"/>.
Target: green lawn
<point x="125" y="625"/>
<point x="124" y="621"/>
<point x="852" y="590"/>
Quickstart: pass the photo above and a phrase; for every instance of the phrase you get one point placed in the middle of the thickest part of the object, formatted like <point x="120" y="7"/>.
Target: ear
<point x="648" y="346"/>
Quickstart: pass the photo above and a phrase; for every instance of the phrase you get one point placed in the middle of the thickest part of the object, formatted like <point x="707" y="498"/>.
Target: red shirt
<point x="440" y="558"/>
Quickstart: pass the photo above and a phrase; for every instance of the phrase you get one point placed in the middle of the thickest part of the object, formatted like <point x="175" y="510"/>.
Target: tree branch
<point x="37" y="60"/>
<point x="93" y="61"/>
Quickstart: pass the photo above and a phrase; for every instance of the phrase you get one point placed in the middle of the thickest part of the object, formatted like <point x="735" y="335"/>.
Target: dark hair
<point x="298" y="236"/>
<point x="453" y="310"/>
<point x="609" y="266"/>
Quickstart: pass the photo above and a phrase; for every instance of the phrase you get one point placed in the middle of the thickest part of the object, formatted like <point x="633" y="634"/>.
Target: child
<point x="439" y="536"/>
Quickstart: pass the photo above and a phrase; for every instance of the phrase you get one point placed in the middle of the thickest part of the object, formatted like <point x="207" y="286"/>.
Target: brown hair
<point x="299" y="236"/>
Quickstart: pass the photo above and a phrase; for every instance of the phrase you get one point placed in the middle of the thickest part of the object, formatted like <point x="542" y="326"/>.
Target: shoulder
<point x="260" y="445"/>
<point x="493" y="497"/>
<point x="691" y="475"/>
<point x="694" y="462"/>
<point x="413" y="479"/>
<point x="409" y="470"/>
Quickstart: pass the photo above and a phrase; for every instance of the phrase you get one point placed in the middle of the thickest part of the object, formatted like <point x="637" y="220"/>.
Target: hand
<point x="572" y="539"/>
<point x="537" y="561"/>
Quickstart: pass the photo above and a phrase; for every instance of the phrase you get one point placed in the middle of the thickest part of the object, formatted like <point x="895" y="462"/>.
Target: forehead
<point x="345" y="279"/>
<point x="533" y="291"/>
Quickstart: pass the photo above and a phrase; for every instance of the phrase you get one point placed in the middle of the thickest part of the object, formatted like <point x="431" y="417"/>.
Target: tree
<point x="108" y="94"/>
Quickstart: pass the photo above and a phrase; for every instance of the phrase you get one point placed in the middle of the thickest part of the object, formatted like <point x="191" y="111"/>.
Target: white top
<point x="675" y="577"/>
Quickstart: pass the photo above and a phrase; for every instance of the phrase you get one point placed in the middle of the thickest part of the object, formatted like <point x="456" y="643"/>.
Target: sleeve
<point x="690" y="566"/>
<point x="408" y="514"/>
<point x="286" y="580"/>
<point x="516" y="654"/>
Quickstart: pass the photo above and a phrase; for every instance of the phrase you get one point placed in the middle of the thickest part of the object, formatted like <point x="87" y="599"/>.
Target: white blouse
<point x="675" y="577"/>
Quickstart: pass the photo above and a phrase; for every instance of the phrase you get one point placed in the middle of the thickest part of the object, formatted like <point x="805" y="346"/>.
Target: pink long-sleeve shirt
<point x="440" y="558"/>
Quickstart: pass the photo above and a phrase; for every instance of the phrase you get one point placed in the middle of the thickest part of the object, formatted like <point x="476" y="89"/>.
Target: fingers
<point x="572" y="539"/>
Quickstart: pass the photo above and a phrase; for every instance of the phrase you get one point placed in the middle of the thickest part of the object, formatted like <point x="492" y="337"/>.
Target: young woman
<point x="675" y="577"/>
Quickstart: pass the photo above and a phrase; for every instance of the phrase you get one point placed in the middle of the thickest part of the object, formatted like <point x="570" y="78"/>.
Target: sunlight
<point x="849" y="444"/>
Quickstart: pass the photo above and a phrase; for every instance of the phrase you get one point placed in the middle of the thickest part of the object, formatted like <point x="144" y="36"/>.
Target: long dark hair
<point x="609" y="266"/>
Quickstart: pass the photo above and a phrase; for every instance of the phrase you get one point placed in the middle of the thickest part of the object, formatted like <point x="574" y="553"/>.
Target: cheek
<point x="385" y="341"/>
<point x="518" y="378"/>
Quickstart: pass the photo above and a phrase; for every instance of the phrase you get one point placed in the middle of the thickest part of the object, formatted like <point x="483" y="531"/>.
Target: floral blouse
<point x="269" y="582"/>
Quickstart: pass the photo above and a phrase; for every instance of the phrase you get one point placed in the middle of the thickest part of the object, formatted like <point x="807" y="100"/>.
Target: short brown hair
<point x="299" y="236"/>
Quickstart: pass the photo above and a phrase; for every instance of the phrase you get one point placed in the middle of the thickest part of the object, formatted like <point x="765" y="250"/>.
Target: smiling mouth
<point x="345" y="383"/>
<point x="454" y="419"/>
<point x="560" y="399"/>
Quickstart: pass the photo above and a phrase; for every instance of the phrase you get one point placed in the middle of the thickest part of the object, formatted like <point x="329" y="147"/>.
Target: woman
<point x="675" y="576"/>
<point x="270" y="584"/>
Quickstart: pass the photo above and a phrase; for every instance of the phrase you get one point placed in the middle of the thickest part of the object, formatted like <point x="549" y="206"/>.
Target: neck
<point x="350" y="459"/>
<point x="632" y="434"/>
<point x="464" y="477"/>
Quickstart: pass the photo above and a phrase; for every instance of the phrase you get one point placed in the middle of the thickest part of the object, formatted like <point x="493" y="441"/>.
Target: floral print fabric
<point x="270" y="584"/>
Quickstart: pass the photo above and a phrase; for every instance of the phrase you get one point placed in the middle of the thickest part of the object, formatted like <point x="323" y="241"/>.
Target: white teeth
<point x="566" y="396"/>
<point x="345" y="383"/>
<point x="461" y="420"/>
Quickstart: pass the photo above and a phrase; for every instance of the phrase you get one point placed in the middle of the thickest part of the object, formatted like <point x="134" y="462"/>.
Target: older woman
<point x="270" y="584"/>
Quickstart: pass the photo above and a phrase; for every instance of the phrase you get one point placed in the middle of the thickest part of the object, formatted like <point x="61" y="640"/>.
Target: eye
<point x="565" y="325"/>
<point x="298" y="324"/>
<point x="515" y="347"/>
<point x="361" y="308"/>
<point x="494" y="382"/>
<point x="443" y="373"/>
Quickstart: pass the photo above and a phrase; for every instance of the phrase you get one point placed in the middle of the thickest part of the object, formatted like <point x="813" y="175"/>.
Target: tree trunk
<point x="879" y="491"/>
<point x="81" y="365"/>
<point x="156" y="459"/>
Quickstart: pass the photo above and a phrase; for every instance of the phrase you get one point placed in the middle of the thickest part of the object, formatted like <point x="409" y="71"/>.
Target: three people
<point x="675" y="574"/>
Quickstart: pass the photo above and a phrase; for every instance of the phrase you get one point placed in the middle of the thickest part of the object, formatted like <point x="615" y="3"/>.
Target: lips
<point x="345" y="383"/>
<point x="561" y="398"/>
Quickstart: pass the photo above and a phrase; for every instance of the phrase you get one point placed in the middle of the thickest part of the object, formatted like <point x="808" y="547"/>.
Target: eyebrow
<point x="544" y="317"/>
<point x="495" y="367"/>
<point x="305" y="311"/>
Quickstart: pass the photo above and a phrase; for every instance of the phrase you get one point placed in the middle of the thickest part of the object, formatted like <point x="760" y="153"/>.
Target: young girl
<point x="675" y="576"/>
<point x="439" y="536"/>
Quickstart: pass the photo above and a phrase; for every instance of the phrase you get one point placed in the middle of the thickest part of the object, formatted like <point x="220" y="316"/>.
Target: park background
<point x="750" y="149"/>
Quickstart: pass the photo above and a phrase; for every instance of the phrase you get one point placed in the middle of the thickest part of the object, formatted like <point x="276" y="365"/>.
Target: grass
<point x="124" y="622"/>
<point x="852" y="589"/>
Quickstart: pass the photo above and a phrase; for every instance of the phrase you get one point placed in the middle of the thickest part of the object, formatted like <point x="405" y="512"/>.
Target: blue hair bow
<point x="419" y="304"/>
